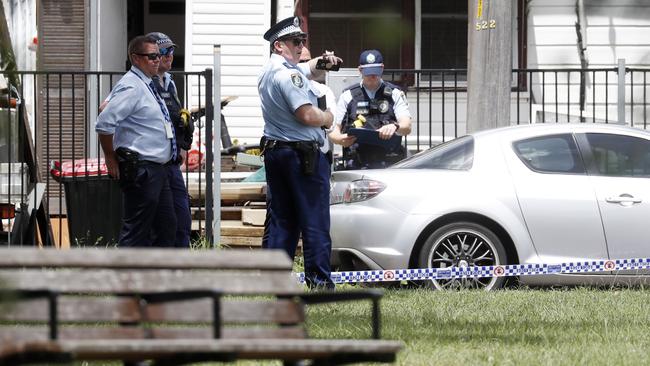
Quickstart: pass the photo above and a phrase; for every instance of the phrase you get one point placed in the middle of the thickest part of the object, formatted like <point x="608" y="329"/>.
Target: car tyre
<point x="463" y="244"/>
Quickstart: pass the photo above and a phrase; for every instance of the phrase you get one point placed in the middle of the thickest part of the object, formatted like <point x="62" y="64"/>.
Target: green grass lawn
<point x="570" y="326"/>
<point x="578" y="326"/>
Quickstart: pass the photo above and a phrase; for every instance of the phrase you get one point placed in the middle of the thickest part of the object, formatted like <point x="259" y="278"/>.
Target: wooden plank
<point x="107" y="332"/>
<point x="144" y="258"/>
<point x="297" y="349"/>
<point x="253" y="216"/>
<point x="238" y="229"/>
<point x="111" y="309"/>
<point x="146" y="281"/>
<point x="241" y="241"/>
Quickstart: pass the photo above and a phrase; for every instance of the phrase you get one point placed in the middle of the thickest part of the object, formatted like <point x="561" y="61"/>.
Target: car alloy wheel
<point x="463" y="244"/>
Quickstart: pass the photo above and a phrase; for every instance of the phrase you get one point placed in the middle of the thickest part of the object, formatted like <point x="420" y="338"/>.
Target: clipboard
<point x="371" y="137"/>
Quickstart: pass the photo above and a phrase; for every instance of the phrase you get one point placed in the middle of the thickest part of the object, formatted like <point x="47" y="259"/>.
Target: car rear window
<point x="456" y="154"/>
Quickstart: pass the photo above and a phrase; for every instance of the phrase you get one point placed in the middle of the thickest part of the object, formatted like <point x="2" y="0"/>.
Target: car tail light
<point x="355" y="191"/>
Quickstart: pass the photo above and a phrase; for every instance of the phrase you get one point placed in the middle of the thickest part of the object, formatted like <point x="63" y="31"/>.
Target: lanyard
<point x="163" y="109"/>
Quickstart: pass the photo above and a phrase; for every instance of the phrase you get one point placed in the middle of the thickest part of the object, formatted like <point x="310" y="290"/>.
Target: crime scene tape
<point x="391" y="275"/>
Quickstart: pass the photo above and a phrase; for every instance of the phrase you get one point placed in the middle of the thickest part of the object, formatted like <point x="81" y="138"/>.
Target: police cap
<point x="162" y="40"/>
<point x="371" y="62"/>
<point x="284" y="28"/>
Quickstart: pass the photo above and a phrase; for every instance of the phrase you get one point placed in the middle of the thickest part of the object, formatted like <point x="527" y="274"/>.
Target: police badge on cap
<point x="371" y="62"/>
<point x="284" y="28"/>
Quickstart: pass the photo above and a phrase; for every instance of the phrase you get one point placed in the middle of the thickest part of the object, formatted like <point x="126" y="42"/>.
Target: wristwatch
<point x="396" y="125"/>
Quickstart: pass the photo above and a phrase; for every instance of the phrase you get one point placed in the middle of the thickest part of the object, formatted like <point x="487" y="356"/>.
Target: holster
<point x="308" y="153"/>
<point x="128" y="160"/>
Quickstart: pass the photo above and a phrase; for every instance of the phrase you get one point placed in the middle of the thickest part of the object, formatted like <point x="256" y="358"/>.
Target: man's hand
<point x="345" y="140"/>
<point x="113" y="167"/>
<point x="331" y="58"/>
<point x="387" y="131"/>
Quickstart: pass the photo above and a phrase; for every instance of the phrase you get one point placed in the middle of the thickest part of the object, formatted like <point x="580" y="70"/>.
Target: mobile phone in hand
<point x="322" y="64"/>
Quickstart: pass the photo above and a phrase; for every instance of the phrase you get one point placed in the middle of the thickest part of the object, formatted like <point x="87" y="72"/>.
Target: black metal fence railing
<point x="48" y="117"/>
<point x="51" y="161"/>
<point x="438" y="99"/>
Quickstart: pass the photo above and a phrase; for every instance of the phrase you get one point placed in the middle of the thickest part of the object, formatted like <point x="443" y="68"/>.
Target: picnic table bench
<point x="170" y="306"/>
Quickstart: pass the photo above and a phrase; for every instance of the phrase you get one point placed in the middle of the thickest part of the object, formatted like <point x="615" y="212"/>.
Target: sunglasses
<point x="167" y="51"/>
<point x="151" y="56"/>
<point x="296" y="41"/>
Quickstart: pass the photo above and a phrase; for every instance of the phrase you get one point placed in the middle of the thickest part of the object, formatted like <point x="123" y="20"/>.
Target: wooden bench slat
<point x="359" y="350"/>
<point x="112" y="309"/>
<point x="143" y="281"/>
<point x="154" y="258"/>
<point x="40" y="333"/>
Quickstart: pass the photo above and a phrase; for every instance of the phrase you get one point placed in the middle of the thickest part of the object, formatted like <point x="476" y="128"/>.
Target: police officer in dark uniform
<point x="297" y="171"/>
<point x="183" y="128"/>
<point x="372" y="104"/>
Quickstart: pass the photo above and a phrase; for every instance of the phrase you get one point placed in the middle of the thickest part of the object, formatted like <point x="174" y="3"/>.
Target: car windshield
<point x="456" y="154"/>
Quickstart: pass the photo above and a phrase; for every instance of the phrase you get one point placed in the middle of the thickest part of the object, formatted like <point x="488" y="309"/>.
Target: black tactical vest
<point x="183" y="138"/>
<point x="377" y="112"/>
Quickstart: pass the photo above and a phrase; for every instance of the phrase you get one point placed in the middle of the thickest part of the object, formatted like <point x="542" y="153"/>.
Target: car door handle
<point x="624" y="199"/>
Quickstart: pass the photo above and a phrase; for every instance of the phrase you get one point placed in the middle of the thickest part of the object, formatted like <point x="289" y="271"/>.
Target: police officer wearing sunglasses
<point x="137" y="137"/>
<point x="183" y="128"/>
<point x="297" y="171"/>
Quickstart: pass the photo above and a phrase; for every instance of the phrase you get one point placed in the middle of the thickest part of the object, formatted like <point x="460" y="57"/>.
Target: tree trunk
<point x="489" y="63"/>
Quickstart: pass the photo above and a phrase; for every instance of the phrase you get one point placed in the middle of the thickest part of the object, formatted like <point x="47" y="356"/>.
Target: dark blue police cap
<point x="371" y="62"/>
<point x="284" y="28"/>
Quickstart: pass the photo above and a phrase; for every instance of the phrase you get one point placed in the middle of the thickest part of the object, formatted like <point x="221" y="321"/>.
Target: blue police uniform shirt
<point x="283" y="88"/>
<point x="135" y="118"/>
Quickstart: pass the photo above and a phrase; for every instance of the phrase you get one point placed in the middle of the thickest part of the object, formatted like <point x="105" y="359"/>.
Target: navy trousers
<point x="299" y="204"/>
<point x="181" y="206"/>
<point x="148" y="209"/>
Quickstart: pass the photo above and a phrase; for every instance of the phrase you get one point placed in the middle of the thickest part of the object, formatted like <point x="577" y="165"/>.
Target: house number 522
<point x="486" y="25"/>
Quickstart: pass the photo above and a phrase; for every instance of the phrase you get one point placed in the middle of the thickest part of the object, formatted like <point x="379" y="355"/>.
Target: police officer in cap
<point x="372" y="104"/>
<point x="297" y="171"/>
<point x="183" y="129"/>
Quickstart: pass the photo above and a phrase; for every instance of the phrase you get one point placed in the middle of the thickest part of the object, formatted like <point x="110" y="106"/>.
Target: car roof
<point x="545" y="128"/>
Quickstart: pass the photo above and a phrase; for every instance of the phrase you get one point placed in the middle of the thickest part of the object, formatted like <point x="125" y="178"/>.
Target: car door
<point x="619" y="167"/>
<point x="556" y="198"/>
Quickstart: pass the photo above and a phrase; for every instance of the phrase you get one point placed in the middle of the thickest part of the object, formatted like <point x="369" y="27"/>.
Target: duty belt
<point x="273" y="144"/>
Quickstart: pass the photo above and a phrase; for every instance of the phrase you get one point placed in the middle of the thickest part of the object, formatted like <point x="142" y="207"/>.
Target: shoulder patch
<point x="296" y="79"/>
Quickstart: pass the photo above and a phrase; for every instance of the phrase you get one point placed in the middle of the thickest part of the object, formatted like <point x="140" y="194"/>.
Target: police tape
<point x="449" y="273"/>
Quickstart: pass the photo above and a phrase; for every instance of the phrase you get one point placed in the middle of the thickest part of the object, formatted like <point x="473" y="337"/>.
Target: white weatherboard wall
<point x="238" y="26"/>
<point x="614" y="29"/>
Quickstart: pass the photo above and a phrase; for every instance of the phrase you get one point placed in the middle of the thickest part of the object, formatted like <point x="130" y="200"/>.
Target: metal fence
<point x="48" y="117"/>
<point x="48" y="126"/>
<point x="438" y="99"/>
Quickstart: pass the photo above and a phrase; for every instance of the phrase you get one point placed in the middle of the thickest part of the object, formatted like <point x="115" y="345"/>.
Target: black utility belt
<point x="298" y="145"/>
<point x="308" y="151"/>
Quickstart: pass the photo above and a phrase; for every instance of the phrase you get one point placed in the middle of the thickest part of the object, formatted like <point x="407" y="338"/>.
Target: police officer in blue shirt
<point x="138" y="141"/>
<point x="297" y="171"/>
<point x="183" y="128"/>
<point x="371" y="104"/>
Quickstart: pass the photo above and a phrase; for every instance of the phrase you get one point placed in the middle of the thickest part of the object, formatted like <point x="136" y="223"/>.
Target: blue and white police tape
<point x="391" y="275"/>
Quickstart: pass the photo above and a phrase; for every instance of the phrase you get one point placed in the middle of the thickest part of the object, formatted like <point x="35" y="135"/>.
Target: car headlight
<point x="355" y="191"/>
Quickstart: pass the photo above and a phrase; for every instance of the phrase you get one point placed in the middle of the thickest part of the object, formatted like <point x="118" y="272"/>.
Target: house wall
<point x="236" y="25"/>
<point x="612" y="30"/>
<point x="21" y="20"/>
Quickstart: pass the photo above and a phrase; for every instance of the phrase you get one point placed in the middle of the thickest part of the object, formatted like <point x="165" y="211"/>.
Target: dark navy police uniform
<point x="377" y="111"/>
<point x="298" y="201"/>
<point x="139" y="122"/>
<point x="176" y="182"/>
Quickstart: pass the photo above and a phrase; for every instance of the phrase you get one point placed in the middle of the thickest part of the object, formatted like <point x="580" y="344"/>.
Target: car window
<point x="550" y="154"/>
<point x="456" y="154"/>
<point x="619" y="155"/>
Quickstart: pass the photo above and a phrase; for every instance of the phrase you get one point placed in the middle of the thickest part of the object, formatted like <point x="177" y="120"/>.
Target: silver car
<point x="546" y="193"/>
